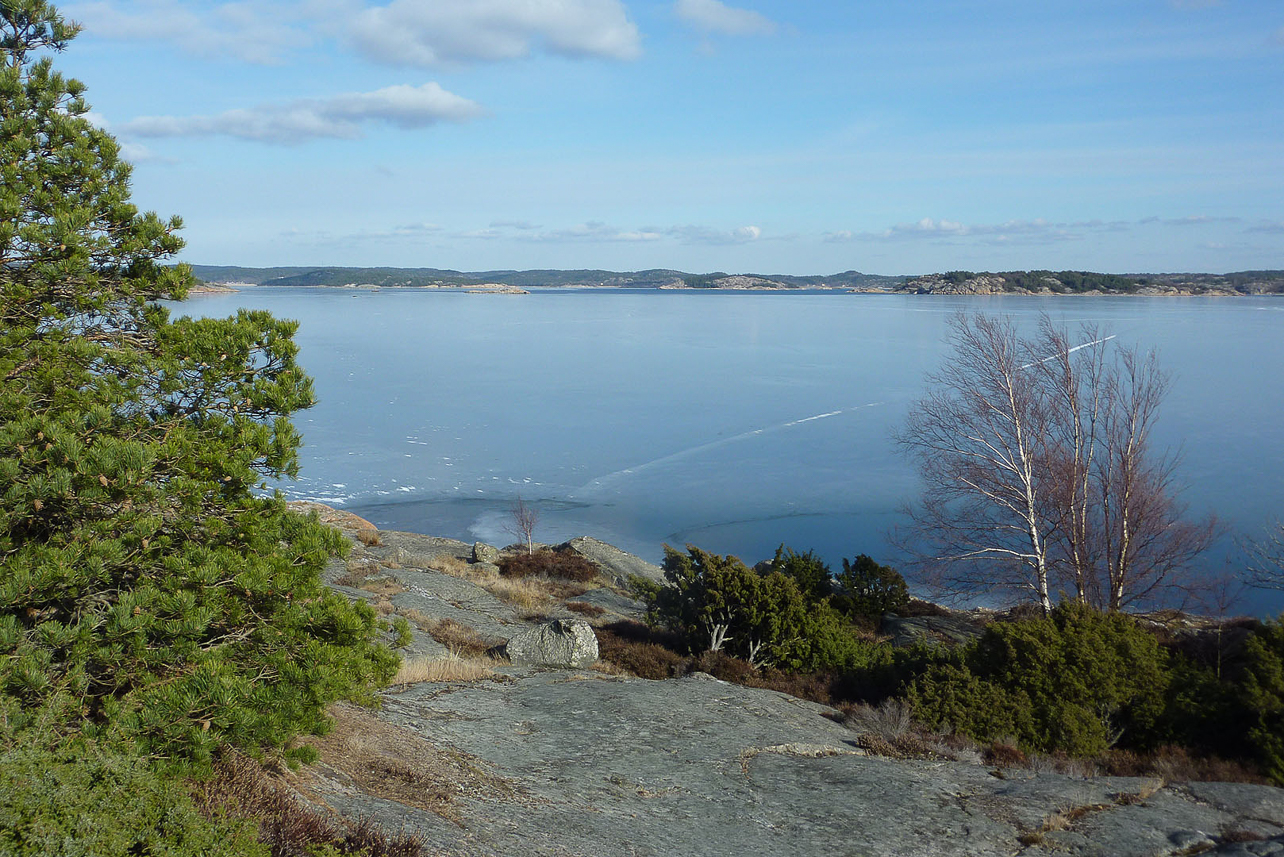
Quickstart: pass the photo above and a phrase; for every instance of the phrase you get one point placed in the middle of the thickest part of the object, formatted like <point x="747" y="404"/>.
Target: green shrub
<point x="871" y="590"/>
<point x="80" y="799"/>
<point x="806" y="570"/>
<point x="1262" y="692"/>
<point x="1077" y="681"/>
<point x="716" y="602"/>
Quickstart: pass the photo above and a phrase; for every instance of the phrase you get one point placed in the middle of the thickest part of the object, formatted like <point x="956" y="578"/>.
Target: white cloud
<point x="596" y="230"/>
<point x="1191" y="220"/>
<point x="706" y="235"/>
<point x="254" y="32"/>
<point x="715" y="17"/>
<point x="445" y="32"/>
<point x="340" y="116"/>
<point x="402" y="32"/>
<point x="1038" y="231"/>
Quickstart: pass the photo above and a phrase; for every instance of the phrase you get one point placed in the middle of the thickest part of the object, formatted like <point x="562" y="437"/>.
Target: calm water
<point x="732" y="421"/>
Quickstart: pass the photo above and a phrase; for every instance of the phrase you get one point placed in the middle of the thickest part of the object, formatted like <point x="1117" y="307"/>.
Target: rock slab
<point x="616" y="564"/>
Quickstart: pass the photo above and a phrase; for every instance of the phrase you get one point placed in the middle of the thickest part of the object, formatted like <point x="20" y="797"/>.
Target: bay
<point x="733" y="421"/>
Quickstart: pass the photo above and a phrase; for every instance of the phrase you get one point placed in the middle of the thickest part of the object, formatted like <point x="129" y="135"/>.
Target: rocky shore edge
<point x="534" y="757"/>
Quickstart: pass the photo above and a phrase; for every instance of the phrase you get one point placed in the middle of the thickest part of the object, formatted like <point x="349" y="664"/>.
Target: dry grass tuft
<point x="1061" y="819"/>
<point x="522" y="593"/>
<point x="418" y="618"/>
<point x="449" y="668"/>
<point x="890" y="721"/>
<point x="369" y="538"/>
<point x="454" y="566"/>
<point x="460" y="639"/>
<point x="241" y="788"/>
<point x="585" y="609"/>
<point x="1005" y="754"/>
<point x="383" y="585"/>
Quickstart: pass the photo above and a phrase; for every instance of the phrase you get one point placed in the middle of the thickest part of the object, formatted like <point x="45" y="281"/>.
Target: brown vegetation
<point x="241" y="788"/>
<point x="528" y="593"/>
<point x="549" y="563"/>
<point x="397" y="764"/>
<point x="592" y="611"/>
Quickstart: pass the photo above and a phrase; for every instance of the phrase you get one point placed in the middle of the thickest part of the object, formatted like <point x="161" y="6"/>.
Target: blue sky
<point x="791" y="137"/>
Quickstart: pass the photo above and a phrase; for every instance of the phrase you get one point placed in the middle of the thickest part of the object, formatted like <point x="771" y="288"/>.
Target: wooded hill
<point x="951" y="282"/>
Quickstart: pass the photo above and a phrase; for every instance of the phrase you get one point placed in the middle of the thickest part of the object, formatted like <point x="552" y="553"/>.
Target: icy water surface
<point x="733" y="421"/>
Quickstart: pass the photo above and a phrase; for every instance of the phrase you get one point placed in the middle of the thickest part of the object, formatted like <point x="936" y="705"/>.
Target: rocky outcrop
<point x="614" y="563"/>
<point x="565" y="643"/>
<point x="578" y="763"/>
<point x="572" y="761"/>
<point x="954" y="628"/>
<point x="936" y="284"/>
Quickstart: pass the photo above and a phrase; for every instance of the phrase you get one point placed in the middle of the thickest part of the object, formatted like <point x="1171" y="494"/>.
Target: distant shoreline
<point x="1037" y="282"/>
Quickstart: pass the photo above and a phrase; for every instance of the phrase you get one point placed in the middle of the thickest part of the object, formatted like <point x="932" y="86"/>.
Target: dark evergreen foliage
<point x="716" y="602"/>
<point x="143" y="580"/>
<point x="871" y="590"/>
<point x="1078" y="681"/>
<point x="808" y="571"/>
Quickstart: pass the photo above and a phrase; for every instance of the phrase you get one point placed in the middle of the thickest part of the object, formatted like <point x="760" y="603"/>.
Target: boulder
<point x="483" y="552"/>
<point x="567" y="643"/>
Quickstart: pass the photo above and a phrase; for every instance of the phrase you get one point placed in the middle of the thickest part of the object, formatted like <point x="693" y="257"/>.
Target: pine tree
<point x="145" y="585"/>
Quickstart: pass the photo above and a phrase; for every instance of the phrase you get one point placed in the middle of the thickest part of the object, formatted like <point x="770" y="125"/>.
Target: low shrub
<point x="1262" y="693"/>
<point x="717" y="603"/>
<point x="79" y="798"/>
<point x="561" y="565"/>
<point x="585" y="609"/>
<point x="633" y="647"/>
<point x="1077" y="681"/>
<point x="807" y="571"/>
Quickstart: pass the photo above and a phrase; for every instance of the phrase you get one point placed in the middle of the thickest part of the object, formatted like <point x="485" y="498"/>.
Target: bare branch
<point x="523" y="523"/>
<point x="1039" y="471"/>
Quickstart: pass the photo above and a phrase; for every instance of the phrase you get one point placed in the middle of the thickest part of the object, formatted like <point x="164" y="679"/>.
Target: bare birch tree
<point x="977" y="438"/>
<point x="523" y="523"/>
<point x="1146" y="545"/>
<point x="1040" y="473"/>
